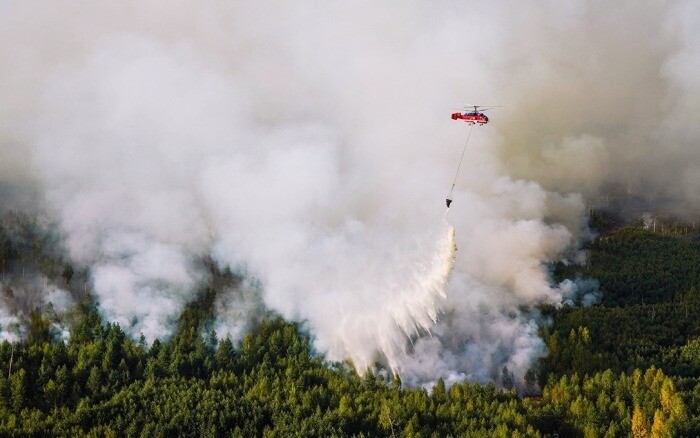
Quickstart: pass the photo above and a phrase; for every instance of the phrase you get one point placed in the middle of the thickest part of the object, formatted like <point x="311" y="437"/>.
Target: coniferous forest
<point x="628" y="366"/>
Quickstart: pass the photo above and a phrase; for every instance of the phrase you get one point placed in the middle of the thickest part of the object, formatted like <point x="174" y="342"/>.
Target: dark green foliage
<point x="630" y="365"/>
<point x="638" y="266"/>
<point x="605" y="404"/>
<point x="624" y="338"/>
<point x="650" y="314"/>
<point x="271" y="385"/>
<point x="649" y="318"/>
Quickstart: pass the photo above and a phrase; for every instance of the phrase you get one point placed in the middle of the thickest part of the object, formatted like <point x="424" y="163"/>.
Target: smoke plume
<point x="309" y="146"/>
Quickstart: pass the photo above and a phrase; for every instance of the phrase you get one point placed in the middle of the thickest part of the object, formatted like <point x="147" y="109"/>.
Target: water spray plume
<point x="419" y="302"/>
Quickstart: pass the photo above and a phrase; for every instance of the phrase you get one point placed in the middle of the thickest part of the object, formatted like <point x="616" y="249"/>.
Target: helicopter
<point x="472" y="114"/>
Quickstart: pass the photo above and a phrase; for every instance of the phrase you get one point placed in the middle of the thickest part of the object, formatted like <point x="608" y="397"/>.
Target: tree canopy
<point x="629" y="366"/>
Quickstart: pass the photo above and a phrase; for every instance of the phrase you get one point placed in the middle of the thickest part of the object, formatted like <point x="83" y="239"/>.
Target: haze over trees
<point x="627" y="367"/>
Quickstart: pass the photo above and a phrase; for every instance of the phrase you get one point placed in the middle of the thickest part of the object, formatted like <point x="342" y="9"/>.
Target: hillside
<point x="631" y="363"/>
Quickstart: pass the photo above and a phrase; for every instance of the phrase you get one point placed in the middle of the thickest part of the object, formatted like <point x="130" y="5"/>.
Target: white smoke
<point x="22" y="294"/>
<point x="9" y="326"/>
<point x="581" y="291"/>
<point x="310" y="145"/>
<point x="236" y="308"/>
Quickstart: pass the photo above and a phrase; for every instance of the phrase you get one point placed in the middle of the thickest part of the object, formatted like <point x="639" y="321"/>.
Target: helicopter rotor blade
<point x="477" y="108"/>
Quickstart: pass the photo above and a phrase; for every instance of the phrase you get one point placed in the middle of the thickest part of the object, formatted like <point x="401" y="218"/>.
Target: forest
<point x="628" y="366"/>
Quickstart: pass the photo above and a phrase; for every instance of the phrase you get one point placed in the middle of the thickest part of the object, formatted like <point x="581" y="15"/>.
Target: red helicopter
<point x="473" y="116"/>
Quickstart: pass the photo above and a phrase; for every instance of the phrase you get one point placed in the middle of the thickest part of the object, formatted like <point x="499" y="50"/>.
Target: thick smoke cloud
<point x="605" y="101"/>
<point x="309" y="145"/>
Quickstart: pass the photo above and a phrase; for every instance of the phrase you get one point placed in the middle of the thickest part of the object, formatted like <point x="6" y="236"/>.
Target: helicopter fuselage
<point x="471" y="118"/>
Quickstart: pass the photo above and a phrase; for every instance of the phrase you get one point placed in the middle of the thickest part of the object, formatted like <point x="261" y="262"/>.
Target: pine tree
<point x="94" y="383"/>
<point x="658" y="428"/>
<point x="639" y="424"/>
<point x="18" y="390"/>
